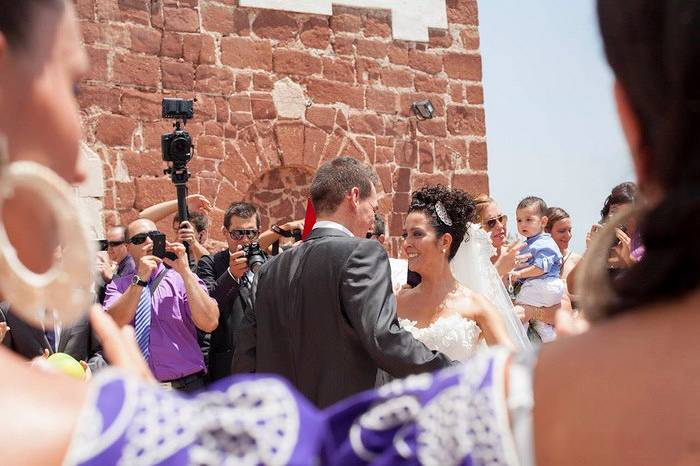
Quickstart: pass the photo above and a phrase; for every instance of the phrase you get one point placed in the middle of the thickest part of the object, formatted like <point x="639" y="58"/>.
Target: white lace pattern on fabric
<point x="452" y="335"/>
<point x="251" y="423"/>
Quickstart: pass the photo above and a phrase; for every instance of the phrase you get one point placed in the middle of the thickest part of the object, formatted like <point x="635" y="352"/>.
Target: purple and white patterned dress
<point x="458" y="416"/>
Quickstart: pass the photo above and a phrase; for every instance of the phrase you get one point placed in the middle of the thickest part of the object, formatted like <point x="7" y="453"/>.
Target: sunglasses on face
<point x="240" y="234"/>
<point x="114" y="244"/>
<point x="491" y="223"/>
<point x="140" y="238"/>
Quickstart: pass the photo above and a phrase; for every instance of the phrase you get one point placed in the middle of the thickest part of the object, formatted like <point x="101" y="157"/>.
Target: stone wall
<point x="277" y="93"/>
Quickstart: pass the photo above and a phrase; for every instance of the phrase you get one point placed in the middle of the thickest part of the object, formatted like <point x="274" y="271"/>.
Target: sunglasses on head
<point x="140" y="238"/>
<point x="370" y="235"/>
<point x="491" y="223"/>
<point x="240" y="234"/>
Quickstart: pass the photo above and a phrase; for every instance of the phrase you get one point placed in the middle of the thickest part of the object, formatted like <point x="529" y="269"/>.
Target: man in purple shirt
<point x="165" y="306"/>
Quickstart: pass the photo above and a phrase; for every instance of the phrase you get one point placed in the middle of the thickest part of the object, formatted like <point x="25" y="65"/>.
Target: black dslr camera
<point x="255" y="256"/>
<point x="177" y="146"/>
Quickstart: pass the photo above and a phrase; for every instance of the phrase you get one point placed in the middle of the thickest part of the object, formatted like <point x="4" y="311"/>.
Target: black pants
<point x="189" y="383"/>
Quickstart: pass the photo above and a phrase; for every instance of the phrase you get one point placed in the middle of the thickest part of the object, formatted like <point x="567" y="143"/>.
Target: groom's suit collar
<point x="317" y="233"/>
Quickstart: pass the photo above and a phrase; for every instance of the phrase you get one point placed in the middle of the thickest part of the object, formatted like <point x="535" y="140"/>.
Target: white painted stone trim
<point x="410" y="18"/>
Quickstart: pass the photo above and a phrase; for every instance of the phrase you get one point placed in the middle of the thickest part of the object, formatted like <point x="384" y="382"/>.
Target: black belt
<point x="186" y="380"/>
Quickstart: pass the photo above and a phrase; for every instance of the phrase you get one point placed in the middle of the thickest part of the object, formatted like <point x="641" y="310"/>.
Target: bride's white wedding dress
<point x="455" y="336"/>
<point x="452" y="335"/>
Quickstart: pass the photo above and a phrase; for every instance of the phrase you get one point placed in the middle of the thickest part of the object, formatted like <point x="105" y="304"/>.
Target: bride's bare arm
<point x="489" y="321"/>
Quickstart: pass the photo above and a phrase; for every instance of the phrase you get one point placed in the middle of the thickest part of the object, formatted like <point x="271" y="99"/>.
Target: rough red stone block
<point x="151" y="191"/>
<point x="217" y="18"/>
<point x="181" y="19"/>
<point x="475" y="95"/>
<point x="368" y="70"/>
<point x="136" y="11"/>
<point x="177" y="75"/>
<point x="426" y="156"/>
<point x="424" y="61"/>
<point x="215" y="79"/>
<point x="434" y="127"/>
<point x="463" y="66"/>
<point x="457" y="92"/>
<point x="369" y="147"/>
<point x="139" y="70"/>
<point x="401" y="202"/>
<point x="341" y="121"/>
<point x="263" y="107"/>
<point x="402" y="180"/>
<point x="146" y="40"/>
<point x="427" y="83"/>
<point x="290" y="140"/>
<point x="211" y="147"/>
<point x="421" y="180"/>
<point x="98" y="63"/>
<point x="396" y="228"/>
<point x="314" y="144"/>
<point x="171" y="45"/>
<point x="222" y="110"/>
<point x="384" y="154"/>
<point x="382" y="101"/>
<point x="243" y="81"/>
<point x="470" y="39"/>
<point x="325" y="92"/>
<point x="273" y="24"/>
<point x="396" y="78"/>
<point x="346" y="22"/>
<point x="343" y="45"/>
<point x="478" y="159"/>
<point x="262" y="82"/>
<point x="451" y="154"/>
<point x="315" y="33"/>
<point x="398" y="54"/>
<point x="125" y="195"/>
<point x="473" y="183"/>
<point x="439" y="38"/>
<point x="213" y="128"/>
<point x="199" y="49"/>
<point x="337" y="69"/>
<point x="240" y="103"/>
<point x="384" y="175"/>
<point x="366" y="124"/>
<point x="406" y="153"/>
<point x="323" y="117"/>
<point x="462" y="12"/>
<point x="144" y="105"/>
<point x="379" y="27"/>
<point x="246" y="53"/>
<point x="241" y="22"/>
<point x="372" y="48"/>
<point x="152" y="132"/>
<point x="467" y="121"/>
<point x="99" y="96"/>
<point x="115" y="130"/>
<point x="285" y="61"/>
<point x="85" y="9"/>
<point x="149" y="163"/>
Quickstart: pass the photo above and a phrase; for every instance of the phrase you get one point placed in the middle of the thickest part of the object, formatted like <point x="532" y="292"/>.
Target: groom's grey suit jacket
<point x="325" y="318"/>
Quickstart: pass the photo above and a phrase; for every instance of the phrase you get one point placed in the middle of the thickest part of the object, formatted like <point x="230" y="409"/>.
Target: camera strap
<point x="156" y="281"/>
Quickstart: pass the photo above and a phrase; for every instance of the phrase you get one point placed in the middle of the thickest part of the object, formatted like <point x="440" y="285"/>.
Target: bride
<point x="446" y="310"/>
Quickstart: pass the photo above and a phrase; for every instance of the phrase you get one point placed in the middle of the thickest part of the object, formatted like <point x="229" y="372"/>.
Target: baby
<point x="541" y="280"/>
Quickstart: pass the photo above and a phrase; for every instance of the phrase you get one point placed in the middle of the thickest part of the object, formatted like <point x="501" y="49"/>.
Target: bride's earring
<point x="67" y="286"/>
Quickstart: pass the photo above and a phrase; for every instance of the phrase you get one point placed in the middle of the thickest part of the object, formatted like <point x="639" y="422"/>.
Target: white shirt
<point x="334" y="225"/>
<point x="57" y="327"/>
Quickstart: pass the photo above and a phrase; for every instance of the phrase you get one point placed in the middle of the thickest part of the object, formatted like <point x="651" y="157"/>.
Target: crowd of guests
<point x="189" y="312"/>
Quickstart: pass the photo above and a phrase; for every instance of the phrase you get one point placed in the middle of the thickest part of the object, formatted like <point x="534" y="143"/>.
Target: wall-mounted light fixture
<point x="423" y="109"/>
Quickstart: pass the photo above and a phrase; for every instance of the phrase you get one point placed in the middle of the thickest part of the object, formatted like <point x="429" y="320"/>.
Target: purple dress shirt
<point x="173" y="344"/>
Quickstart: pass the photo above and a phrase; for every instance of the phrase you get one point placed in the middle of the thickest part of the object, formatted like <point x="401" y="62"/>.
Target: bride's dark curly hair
<point x="459" y="207"/>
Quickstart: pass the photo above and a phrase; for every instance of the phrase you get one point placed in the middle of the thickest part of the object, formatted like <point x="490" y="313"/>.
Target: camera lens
<point x="180" y="148"/>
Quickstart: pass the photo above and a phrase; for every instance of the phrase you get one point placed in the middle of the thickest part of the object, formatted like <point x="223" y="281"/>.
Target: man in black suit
<point x="228" y="280"/>
<point x="29" y="341"/>
<point x="325" y="314"/>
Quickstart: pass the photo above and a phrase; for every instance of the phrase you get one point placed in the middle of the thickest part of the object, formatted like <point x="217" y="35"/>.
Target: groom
<point x="325" y="315"/>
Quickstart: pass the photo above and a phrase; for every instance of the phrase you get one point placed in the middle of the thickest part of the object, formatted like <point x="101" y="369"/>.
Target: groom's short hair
<point x="335" y="178"/>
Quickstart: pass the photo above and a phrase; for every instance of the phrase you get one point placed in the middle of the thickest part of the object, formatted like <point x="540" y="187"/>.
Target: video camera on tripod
<point x="177" y="149"/>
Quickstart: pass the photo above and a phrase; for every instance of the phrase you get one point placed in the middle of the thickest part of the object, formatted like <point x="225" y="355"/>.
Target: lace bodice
<point x="452" y="335"/>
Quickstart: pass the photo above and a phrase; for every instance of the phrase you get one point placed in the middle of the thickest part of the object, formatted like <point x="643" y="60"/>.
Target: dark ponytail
<point x="653" y="48"/>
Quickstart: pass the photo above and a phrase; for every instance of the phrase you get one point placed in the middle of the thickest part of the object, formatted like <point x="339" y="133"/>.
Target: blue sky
<point x="551" y="125"/>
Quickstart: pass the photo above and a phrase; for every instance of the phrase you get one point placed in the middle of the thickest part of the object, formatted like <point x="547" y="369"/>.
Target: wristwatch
<point x="138" y="282"/>
<point x="281" y="232"/>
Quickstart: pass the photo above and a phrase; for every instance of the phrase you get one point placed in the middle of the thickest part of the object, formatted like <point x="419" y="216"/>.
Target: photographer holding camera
<point x="228" y="275"/>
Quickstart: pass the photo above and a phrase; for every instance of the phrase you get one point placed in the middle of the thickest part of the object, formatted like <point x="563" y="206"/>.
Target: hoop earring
<point x="67" y="286"/>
